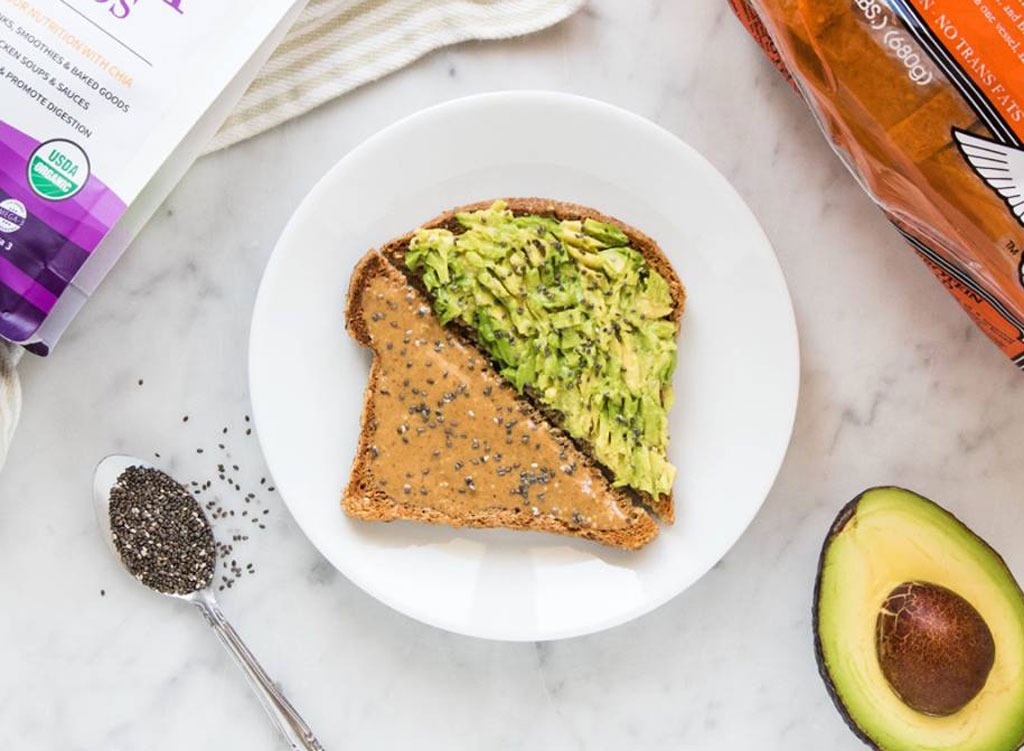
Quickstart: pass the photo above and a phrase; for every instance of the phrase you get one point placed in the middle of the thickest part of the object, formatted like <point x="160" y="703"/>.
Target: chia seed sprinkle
<point x="160" y="532"/>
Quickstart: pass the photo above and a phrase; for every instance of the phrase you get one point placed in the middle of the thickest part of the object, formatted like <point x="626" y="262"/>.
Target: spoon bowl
<point x="104" y="478"/>
<point x="283" y="715"/>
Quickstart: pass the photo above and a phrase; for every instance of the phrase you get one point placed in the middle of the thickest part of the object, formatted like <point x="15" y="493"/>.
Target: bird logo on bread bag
<point x="999" y="165"/>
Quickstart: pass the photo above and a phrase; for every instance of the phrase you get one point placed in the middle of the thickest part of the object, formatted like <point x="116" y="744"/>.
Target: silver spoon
<point x="282" y="713"/>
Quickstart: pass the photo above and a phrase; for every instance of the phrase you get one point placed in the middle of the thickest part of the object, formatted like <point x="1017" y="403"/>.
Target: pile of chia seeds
<point x="160" y="532"/>
<point x="232" y="499"/>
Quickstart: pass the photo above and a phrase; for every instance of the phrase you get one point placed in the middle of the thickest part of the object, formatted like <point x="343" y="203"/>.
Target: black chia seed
<point x="160" y="532"/>
<point x="221" y="510"/>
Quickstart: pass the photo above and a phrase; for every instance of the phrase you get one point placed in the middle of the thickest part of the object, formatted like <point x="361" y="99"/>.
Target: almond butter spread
<point x="448" y="433"/>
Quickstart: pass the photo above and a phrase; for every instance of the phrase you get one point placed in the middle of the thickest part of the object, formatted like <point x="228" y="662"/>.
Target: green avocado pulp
<point x="569" y="310"/>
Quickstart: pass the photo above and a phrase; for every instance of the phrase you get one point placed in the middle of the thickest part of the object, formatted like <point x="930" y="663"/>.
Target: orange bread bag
<point x="924" y="102"/>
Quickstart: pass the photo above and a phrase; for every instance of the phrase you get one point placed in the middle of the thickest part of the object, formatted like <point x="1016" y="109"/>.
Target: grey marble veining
<point x="898" y="387"/>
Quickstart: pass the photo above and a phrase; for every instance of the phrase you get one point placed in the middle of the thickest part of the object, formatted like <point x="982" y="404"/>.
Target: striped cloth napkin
<point x="337" y="45"/>
<point x="10" y="396"/>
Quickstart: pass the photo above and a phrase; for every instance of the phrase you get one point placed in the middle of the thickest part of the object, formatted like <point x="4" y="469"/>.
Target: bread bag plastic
<point x="924" y="102"/>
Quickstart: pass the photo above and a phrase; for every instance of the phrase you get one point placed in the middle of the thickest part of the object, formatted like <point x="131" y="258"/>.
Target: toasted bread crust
<point x="364" y="502"/>
<point x="363" y="499"/>
<point x="369" y="265"/>
<point x="395" y="252"/>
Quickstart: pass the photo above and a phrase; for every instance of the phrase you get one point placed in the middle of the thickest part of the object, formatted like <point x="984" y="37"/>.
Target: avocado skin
<point x="846" y="514"/>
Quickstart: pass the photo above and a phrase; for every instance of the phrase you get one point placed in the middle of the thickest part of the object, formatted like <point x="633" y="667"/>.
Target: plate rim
<point x="791" y="332"/>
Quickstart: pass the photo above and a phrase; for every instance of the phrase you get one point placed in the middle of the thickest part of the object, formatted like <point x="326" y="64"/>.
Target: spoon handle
<point x="282" y="713"/>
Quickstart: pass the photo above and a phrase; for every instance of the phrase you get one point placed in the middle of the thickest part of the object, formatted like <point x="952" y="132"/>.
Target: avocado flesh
<point x="568" y="310"/>
<point x="883" y="538"/>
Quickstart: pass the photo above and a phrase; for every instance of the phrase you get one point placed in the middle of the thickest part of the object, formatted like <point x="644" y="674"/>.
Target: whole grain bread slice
<point x="365" y="496"/>
<point x="395" y="251"/>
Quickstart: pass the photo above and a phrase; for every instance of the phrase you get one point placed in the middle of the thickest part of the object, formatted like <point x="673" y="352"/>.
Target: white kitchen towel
<point x="10" y="396"/>
<point x="337" y="45"/>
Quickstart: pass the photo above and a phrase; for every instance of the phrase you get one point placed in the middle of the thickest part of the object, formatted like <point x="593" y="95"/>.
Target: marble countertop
<point x="898" y="387"/>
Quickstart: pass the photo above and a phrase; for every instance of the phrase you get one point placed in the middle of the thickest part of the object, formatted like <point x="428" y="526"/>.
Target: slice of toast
<point x="395" y="251"/>
<point x="446" y="440"/>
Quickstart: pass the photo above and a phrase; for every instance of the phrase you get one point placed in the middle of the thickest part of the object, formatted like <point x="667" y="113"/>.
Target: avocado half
<point x="888" y="541"/>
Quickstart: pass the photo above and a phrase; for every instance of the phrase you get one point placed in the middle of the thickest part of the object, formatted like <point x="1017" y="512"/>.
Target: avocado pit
<point x="934" y="648"/>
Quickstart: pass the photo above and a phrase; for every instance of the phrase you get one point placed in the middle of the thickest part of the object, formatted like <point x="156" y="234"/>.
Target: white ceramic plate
<point x="736" y="383"/>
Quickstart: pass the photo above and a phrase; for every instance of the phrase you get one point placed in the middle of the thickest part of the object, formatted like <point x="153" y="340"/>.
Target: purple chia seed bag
<point x="103" y="105"/>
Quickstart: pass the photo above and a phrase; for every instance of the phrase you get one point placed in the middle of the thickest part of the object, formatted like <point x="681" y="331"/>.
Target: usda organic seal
<point x="12" y="215"/>
<point x="58" y="169"/>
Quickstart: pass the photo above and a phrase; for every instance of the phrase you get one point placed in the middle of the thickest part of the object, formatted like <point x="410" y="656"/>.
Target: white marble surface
<point x="898" y="387"/>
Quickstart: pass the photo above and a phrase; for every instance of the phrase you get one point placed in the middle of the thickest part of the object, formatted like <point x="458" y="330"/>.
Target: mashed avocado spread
<point x="568" y="310"/>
